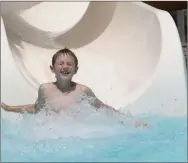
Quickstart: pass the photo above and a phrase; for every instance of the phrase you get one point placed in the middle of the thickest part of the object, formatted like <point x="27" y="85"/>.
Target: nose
<point x="65" y="66"/>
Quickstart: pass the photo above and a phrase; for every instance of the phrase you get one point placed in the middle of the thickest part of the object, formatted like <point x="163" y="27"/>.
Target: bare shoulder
<point x="46" y="86"/>
<point x="83" y="88"/>
<point x="86" y="90"/>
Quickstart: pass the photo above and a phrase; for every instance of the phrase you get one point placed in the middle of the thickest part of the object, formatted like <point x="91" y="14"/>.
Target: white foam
<point x="80" y="120"/>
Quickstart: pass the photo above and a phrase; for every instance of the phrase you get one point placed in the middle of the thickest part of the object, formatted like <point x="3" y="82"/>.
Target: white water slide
<point x="129" y="53"/>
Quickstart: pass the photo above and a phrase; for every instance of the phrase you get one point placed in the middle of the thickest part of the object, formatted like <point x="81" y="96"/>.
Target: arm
<point x="40" y="103"/>
<point x="98" y="104"/>
<point x="30" y="108"/>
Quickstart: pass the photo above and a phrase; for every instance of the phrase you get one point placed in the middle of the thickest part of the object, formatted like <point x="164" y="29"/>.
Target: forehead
<point x="65" y="57"/>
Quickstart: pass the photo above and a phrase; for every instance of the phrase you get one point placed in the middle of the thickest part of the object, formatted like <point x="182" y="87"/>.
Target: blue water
<point x="93" y="137"/>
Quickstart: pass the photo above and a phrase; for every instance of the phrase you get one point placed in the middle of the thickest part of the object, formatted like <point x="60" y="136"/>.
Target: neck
<point x="64" y="86"/>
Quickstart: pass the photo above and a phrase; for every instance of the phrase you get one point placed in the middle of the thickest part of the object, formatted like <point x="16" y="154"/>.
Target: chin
<point x="65" y="78"/>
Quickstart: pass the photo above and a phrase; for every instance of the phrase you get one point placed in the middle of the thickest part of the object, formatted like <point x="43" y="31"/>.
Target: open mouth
<point x="65" y="72"/>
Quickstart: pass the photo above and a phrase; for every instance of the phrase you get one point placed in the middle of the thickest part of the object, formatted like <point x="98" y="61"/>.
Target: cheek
<point x="58" y="68"/>
<point x="73" y="69"/>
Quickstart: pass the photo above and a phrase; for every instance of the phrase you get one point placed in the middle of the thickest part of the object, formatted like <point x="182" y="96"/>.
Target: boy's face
<point x="64" y="67"/>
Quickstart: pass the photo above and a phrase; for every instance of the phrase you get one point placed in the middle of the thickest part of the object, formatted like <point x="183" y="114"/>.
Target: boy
<point x="61" y="94"/>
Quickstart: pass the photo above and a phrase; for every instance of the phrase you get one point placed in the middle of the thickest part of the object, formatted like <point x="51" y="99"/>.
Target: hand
<point x="5" y="107"/>
<point x="141" y="124"/>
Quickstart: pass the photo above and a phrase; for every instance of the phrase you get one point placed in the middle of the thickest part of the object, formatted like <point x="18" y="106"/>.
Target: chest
<point x="57" y="100"/>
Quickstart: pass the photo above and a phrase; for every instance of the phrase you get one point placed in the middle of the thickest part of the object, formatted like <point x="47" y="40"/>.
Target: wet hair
<point x="64" y="51"/>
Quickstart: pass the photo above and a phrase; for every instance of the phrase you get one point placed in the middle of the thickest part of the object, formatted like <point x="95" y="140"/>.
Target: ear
<point x="52" y="69"/>
<point x="76" y="69"/>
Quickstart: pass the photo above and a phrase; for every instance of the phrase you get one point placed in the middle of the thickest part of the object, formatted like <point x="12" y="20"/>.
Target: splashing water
<point x="82" y="121"/>
<point x="80" y="133"/>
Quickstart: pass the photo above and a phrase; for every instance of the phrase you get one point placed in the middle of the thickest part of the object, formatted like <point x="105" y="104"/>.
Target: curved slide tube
<point x="129" y="53"/>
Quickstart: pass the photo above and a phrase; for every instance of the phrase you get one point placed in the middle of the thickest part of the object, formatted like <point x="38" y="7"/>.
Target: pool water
<point x="93" y="136"/>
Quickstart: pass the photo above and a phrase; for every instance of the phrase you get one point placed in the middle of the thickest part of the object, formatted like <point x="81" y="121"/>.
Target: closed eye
<point x="69" y="64"/>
